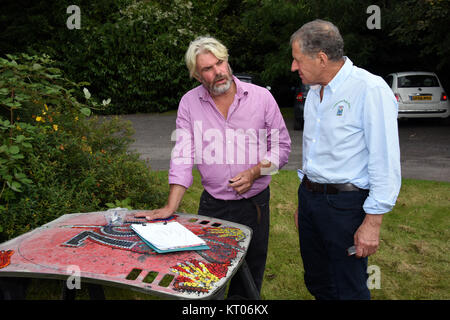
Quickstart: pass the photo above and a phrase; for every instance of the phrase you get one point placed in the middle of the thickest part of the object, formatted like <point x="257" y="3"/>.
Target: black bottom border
<point x="226" y="309"/>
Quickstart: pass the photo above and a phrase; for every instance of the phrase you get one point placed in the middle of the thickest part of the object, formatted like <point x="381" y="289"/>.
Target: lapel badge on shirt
<point x="340" y="107"/>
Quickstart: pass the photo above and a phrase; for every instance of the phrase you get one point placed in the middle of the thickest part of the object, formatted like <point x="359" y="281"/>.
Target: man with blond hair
<point x="219" y="123"/>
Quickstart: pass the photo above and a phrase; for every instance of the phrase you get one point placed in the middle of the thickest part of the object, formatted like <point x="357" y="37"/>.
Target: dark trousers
<point x="244" y="212"/>
<point x="327" y="224"/>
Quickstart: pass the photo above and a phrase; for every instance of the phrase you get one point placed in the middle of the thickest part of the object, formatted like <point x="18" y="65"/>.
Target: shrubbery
<point x="136" y="56"/>
<point x="55" y="157"/>
<point x="132" y="50"/>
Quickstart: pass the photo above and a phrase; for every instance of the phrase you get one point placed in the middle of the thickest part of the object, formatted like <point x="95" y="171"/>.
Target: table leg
<point x="95" y="292"/>
<point x="13" y="288"/>
<point x="66" y="293"/>
<point x="249" y="283"/>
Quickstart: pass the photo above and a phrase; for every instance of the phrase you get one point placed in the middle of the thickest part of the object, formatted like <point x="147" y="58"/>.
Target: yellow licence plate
<point x="415" y="98"/>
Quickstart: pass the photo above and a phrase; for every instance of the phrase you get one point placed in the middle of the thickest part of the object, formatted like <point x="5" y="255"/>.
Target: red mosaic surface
<point x="110" y="253"/>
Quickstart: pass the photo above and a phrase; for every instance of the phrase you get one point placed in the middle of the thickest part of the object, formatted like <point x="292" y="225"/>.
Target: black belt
<point x="251" y="199"/>
<point x="329" y="188"/>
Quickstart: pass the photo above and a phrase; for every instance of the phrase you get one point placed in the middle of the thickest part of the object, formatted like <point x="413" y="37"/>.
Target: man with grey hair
<point x="212" y="118"/>
<point x="350" y="174"/>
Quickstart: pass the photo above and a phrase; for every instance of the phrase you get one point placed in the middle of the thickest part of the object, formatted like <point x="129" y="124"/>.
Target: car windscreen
<point x="417" y="81"/>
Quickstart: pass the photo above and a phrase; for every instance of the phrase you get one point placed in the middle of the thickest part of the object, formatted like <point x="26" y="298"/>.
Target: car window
<point x="246" y="80"/>
<point x="417" y="81"/>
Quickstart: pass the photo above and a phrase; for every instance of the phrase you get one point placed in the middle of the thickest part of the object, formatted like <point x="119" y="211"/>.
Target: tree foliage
<point x="133" y="50"/>
<point x="426" y="24"/>
<point x="54" y="159"/>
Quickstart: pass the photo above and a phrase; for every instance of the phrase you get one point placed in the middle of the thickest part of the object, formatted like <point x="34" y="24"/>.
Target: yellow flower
<point x="39" y="119"/>
<point x="55" y="127"/>
<point x="46" y="108"/>
<point x="76" y="118"/>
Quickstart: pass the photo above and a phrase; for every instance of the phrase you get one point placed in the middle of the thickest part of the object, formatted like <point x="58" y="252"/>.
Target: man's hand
<point x="367" y="237"/>
<point x="243" y="181"/>
<point x="176" y="193"/>
<point x="160" y="213"/>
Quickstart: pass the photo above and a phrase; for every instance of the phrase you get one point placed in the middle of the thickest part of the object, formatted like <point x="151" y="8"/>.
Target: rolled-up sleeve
<point x="381" y="135"/>
<point x="182" y="157"/>
<point x="278" y="139"/>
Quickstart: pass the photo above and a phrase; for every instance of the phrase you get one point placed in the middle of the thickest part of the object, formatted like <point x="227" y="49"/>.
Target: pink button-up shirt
<point x="221" y="148"/>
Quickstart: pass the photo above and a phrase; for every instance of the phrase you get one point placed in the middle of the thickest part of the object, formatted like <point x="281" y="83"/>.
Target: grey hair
<point x="319" y="35"/>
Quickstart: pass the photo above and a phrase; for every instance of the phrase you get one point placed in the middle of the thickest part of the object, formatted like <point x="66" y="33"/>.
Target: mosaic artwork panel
<point x="191" y="275"/>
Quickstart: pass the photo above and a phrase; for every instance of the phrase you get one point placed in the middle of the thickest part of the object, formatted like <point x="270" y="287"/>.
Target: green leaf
<point x="27" y="145"/>
<point x="13" y="104"/>
<point x="14" y="149"/>
<point x="15" y="186"/>
<point x="19" y="175"/>
<point x="20" y="138"/>
<point x="37" y="66"/>
<point x="26" y="181"/>
<point x="86" y="111"/>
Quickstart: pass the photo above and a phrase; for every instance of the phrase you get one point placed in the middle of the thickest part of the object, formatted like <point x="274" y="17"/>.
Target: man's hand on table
<point x="176" y="193"/>
<point x="160" y="213"/>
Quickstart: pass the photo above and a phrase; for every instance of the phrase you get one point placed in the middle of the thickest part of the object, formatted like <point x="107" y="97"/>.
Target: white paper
<point x="167" y="236"/>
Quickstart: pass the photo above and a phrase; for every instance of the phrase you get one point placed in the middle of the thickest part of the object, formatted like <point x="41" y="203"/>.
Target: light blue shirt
<point x="352" y="136"/>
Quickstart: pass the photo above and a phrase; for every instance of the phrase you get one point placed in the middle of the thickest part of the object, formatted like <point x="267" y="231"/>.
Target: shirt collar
<point x="342" y="74"/>
<point x="340" y="77"/>
<point x="241" y="90"/>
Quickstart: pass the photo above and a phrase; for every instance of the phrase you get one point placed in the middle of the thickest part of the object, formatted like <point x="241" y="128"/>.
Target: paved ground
<point x="424" y="144"/>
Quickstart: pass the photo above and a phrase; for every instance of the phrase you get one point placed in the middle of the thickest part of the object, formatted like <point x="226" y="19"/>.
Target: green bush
<point x="55" y="157"/>
<point x="136" y="56"/>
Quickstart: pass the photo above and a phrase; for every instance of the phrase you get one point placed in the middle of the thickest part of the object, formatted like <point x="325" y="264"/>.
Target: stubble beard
<point x="217" y="90"/>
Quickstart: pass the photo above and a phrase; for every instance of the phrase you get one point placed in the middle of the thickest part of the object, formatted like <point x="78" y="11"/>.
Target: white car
<point x="419" y="95"/>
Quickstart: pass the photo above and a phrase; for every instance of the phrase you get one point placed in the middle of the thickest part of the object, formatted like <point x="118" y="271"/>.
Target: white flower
<point x="106" y="102"/>
<point x="87" y="94"/>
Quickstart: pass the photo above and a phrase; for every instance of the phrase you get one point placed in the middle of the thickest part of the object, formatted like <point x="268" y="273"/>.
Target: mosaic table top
<point x="116" y="256"/>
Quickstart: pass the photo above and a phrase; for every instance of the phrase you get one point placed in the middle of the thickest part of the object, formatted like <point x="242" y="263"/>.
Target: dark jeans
<point x="327" y="224"/>
<point x="244" y="212"/>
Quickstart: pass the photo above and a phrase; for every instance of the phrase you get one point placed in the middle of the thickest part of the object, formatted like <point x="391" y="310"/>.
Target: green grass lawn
<point x="413" y="256"/>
